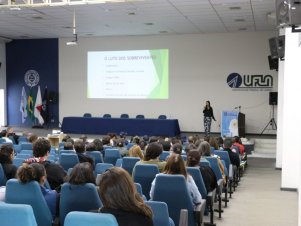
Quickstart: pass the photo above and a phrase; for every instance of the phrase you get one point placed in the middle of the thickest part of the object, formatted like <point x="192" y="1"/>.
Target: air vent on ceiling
<point x="234" y="7"/>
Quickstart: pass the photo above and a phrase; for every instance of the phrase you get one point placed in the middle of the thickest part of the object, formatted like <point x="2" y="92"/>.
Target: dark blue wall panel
<point x="40" y="55"/>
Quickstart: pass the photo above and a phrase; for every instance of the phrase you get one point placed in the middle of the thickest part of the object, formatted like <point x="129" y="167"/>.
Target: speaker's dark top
<point x="208" y="112"/>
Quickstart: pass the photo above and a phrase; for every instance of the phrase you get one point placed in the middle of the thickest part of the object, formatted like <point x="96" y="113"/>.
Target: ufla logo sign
<point x="250" y="82"/>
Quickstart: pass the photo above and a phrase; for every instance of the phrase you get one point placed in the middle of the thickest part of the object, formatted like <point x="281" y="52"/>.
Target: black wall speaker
<point x="288" y="12"/>
<point x="273" y="63"/>
<point x="277" y="47"/>
<point x="273" y="98"/>
<point x="52" y="97"/>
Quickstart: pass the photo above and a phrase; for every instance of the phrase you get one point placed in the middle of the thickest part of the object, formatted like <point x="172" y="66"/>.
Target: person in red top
<point x="237" y="142"/>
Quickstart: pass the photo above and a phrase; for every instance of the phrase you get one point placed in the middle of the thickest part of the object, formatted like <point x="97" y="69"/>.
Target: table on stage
<point x="132" y="126"/>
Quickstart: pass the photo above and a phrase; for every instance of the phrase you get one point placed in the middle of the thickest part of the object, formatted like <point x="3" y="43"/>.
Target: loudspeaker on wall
<point x="273" y="98"/>
<point x="52" y="97"/>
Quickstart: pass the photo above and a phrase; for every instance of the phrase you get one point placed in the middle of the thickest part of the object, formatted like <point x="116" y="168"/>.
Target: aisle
<point x="258" y="200"/>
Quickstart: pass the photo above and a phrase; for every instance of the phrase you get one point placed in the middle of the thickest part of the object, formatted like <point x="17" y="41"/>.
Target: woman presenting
<point x="208" y="116"/>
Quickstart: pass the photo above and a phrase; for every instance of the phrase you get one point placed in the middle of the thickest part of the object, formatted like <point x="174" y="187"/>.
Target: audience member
<point x="32" y="138"/>
<point x="142" y="145"/>
<point x="120" y="198"/>
<point x="189" y="147"/>
<point x="90" y="147"/>
<point x="213" y="143"/>
<point x="152" y="155"/>
<point x="120" y="145"/>
<point x="79" y="147"/>
<point x="10" y="132"/>
<point x="68" y="146"/>
<point x="237" y="142"/>
<point x="193" y="160"/>
<point x="6" y="159"/>
<point x="220" y="142"/>
<point x="36" y="172"/>
<point x="177" y="148"/>
<point x="84" y="138"/>
<point x="55" y="172"/>
<point x="175" y="165"/>
<point x="5" y="137"/>
<point x="234" y="158"/>
<point x="135" y="151"/>
<point x="166" y="145"/>
<point x="82" y="173"/>
<point x="98" y="145"/>
<point x="65" y="138"/>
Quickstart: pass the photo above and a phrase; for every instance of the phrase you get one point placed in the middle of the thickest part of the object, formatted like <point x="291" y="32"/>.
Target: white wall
<point x="199" y="66"/>
<point x="3" y="74"/>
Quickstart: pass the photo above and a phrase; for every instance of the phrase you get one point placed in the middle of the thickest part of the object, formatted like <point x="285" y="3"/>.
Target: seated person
<point x="80" y="148"/>
<point x="90" y="146"/>
<point x="236" y="141"/>
<point x="68" y="146"/>
<point x="234" y="158"/>
<point x="152" y="156"/>
<point x="55" y="172"/>
<point x="175" y="165"/>
<point x="135" y="151"/>
<point x="10" y="132"/>
<point x="36" y="172"/>
<point x="81" y="173"/>
<point x="32" y="138"/>
<point x="119" y="196"/>
<point x="4" y="135"/>
<point x="177" y="148"/>
<point x="7" y="155"/>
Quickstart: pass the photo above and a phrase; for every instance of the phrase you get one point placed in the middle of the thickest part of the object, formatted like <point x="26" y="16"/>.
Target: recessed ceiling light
<point x="234" y="7"/>
<point x="242" y="29"/>
<point x="67" y="27"/>
<point x="240" y="20"/>
<point x="37" y="17"/>
<point x="163" y="32"/>
<point x="149" y="24"/>
<point x="131" y="13"/>
<point x="24" y="36"/>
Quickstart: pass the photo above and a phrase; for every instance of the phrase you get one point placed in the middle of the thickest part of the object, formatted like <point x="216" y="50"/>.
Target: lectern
<point x="233" y="124"/>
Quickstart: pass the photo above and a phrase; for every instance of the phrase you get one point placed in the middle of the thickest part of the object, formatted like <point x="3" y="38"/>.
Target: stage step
<point x="265" y="146"/>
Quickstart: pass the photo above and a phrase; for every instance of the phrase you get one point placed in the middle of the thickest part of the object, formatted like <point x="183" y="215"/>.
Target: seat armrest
<point x="210" y="197"/>
<point x="199" y="212"/>
<point x="231" y="172"/>
<point x="220" y="185"/>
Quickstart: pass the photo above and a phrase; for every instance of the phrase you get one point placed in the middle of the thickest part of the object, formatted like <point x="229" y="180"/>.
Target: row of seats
<point x="140" y="116"/>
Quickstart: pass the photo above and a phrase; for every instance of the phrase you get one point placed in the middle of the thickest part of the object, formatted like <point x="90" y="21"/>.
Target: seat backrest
<point x="23" y="156"/>
<point x="204" y="162"/>
<point x="27" y="152"/>
<point x="160" y="213"/>
<point x="78" y="198"/>
<point x="144" y="174"/>
<point x="16" y="215"/>
<point x="164" y="155"/>
<point x="224" y="155"/>
<point x="68" y="160"/>
<point x="175" y="195"/>
<point x="111" y="155"/>
<point x="198" y="179"/>
<point x="214" y="166"/>
<point x="88" y="115"/>
<point x="3" y="178"/>
<point x="30" y="194"/>
<point x="2" y="140"/>
<point x="124" y="116"/>
<point x="102" y="167"/>
<point x="12" y="139"/>
<point x="107" y="116"/>
<point x="128" y="163"/>
<point x="26" y="146"/>
<point x="77" y="218"/>
<point x="140" y="116"/>
<point x="18" y="161"/>
<point x="162" y="117"/>
<point x="96" y="155"/>
<point x="118" y="162"/>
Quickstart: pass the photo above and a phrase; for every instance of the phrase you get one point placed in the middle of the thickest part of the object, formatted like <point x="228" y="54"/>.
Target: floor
<point x="258" y="199"/>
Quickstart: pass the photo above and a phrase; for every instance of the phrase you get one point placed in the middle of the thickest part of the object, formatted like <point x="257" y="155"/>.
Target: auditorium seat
<point x="77" y="218"/>
<point x="128" y="163"/>
<point x="18" y="161"/>
<point x="87" y="115"/>
<point x="2" y="176"/>
<point x="139" y="190"/>
<point x="16" y="215"/>
<point x="124" y="115"/>
<point x="111" y="155"/>
<point x="164" y="155"/>
<point x="107" y="116"/>
<point x="26" y="146"/>
<point x="96" y="155"/>
<point x="175" y="202"/>
<point x="102" y="167"/>
<point x="26" y="151"/>
<point x="162" y="117"/>
<point x="140" y="116"/>
<point x="160" y="213"/>
<point x="68" y="160"/>
<point x="22" y="139"/>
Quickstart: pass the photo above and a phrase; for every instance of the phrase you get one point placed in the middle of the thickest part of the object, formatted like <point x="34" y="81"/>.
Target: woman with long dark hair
<point x="208" y="116"/>
<point x="7" y="155"/>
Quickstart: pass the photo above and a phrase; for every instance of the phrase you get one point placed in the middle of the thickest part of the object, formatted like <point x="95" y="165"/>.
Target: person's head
<point x="142" y="144"/>
<point x="98" y="144"/>
<point x="120" y="142"/>
<point x="68" y="146"/>
<point x="153" y="151"/>
<point x="145" y="138"/>
<point x="41" y="147"/>
<point x="153" y="139"/>
<point x="213" y="143"/>
<point x="236" y="139"/>
<point x="79" y="146"/>
<point x="117" y="191"/>
<point x="32" y="138"/>
<point x="193" y="158"/>
<point x="3" y="133"/>
<point x="220" y="141"/>
<point x="6" y="154"/>
<point x="32" y="172"/>
<point x="70" y="140"/>
<point x="166" y="145"/>
<point x="175" y="165"/>
<point x="82" y="173"/>
<point x="227" y="143"/>
<point x="83" y="138"/>
<point x="10" y="130"/>
<point x="208" y="103"/>
<point x="207" y="138"/>
<point x="189" y="147"/>
<point x="90" y="147"/>
<point x="106" y="140"/>
<point x="135" y="151"/>
<point x="190" y="140"/>
<point x="177" y="148"/>
<point x="204" y="149"/>
<point x="175" y="140"/>
<point x="65" y="138"/>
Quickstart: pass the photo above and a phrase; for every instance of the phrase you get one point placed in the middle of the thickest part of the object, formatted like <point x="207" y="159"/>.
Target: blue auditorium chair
<point x="107" y="116"/>
<point x="139" y="190"/>
<point x="160" y="213"/>
<point x="16" y="215"/>
<point x="87" y="115"/>
<point x="102" y="167"/>
<point x="22" y="139"/>
<point x="124" y="115"/>
<point x="26" y="151"/>
<point x="77" y="218"/>
<point x="96" y="155"/>
<point x="140" y="116"/>
<point x="26" y="146"/>
<point x="111" y="155"/>
<point x="128" y="163"/>
<point x="2" y="177"/>
<point x="175" y="202"/>
<point x="18" y="161"/>
<point x="23" y="156"/>
<point x="162" y="117"/>
<point x="68" y="160"/>
<point x="164" y="155"/>
<point x="30" y="194"/>
<point x="144" y="174"/>
<point x="78" y="198"/>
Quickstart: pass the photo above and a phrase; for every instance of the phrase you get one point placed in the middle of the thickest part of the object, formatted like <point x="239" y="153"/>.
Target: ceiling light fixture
<point x="74" y="41"/>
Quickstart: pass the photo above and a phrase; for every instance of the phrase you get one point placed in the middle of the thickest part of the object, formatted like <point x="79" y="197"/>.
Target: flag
<point x="30" y="105"/>
<point x="38" y="107"/>
<point x="45" y="107"/>
<point x="23" y="105"/>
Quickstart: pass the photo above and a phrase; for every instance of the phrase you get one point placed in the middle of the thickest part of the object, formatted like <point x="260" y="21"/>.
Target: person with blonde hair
<point x="135" y="151"/>
<point x="119" y="196"/>
<point x="176" y="166"/>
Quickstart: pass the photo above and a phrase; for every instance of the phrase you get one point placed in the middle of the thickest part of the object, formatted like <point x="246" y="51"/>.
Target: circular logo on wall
<point x="31" y="78"/>
<point x="234" y="80"/>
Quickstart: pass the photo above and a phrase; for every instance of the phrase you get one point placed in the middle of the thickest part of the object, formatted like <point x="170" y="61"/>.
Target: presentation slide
<point x="134" y="74"/>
